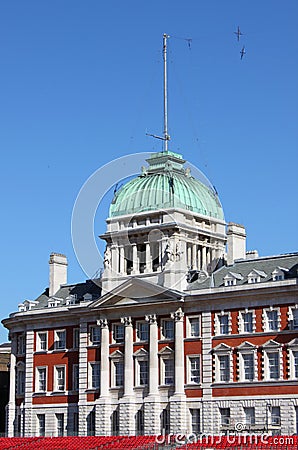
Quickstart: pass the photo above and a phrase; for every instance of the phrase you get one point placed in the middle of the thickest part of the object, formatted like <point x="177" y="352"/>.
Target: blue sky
<point x="81" y="83"/>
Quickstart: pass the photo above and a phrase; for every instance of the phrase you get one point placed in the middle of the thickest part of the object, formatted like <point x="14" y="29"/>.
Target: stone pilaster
<point x="152" y="401"/>
<point x="28" y="383"/>
<point x="11" y="407"/>
<point x="206" y="355"/>
<point x="104" y="358"/>
<point x="127" y="402"/>
<point x="83" y="377"/>
<point x="103" y="417"/>
<point x="178" y="400"/>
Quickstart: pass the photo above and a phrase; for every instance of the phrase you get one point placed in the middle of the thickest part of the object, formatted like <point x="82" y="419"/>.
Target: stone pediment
<point x="246" y="346"/>
<point x="222" y="348"/>
<point x="293" y="343"/>
<point x="271" y="344"/>
<point x="166" y="351"/>
<point x="141" y="352"/>
<point x="136" y="291"/>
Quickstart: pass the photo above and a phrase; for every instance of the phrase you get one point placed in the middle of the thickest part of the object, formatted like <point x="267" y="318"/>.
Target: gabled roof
<point x="136" y="291"/>
<point x="288" y="263"/>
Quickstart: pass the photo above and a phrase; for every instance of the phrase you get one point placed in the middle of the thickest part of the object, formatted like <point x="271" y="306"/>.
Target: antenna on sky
<point x="165" y="136"/>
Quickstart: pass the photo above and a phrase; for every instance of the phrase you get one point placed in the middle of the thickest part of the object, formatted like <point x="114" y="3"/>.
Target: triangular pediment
<point x="246" y="346"/>
<point x="166" y="351"/>
<point x="136" y="291"/>
<point x="271" y="344"/>
<point x="293" y="343"/>
<point x="141" y="352"/>
<point x="222" y="348"/>
<point x="116" y="354"/>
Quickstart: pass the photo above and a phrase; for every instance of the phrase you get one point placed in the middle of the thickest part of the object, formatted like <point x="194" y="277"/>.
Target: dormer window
<point x="255" y="276"/>
<point x="279" y="274"/>
<point x="231" y="279"/>
<point x="87" y="297"/>
<point x="53" y="302"/>
<point x="71" y="299"/>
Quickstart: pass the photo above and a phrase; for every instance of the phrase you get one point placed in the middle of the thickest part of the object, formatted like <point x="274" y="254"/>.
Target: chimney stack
<point x="236" y="242"/>
<point x="58" y="272"/>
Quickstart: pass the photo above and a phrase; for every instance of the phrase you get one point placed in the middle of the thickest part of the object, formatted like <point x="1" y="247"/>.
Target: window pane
<point x="272" y="317"/>
<point x="60" y="424"/>
<point x="42" y="379"/>
<point x="142" y="331"/>
<point x="195" y="420"/>
<point x="169" y="371"/>
<point x="249" y="416"/>
<point x="95" y="369"/>
<point x="168" y="329"/>
<point x="143" y="367"/>
<point x="41" y="424"/>
<point x="247" y="322"/>
<point x="248" y="366"/>
<point x="295" y="359"/>
<point x="60" y="378"/>
<point x="60" y="339"/>
<point x="225" y="416"/>
<point x="224" y="324"/>
<point x="194" y="327"/>
<point x="273" y="363"/>
<point x="95" y="335"/>
<point x="119" y="333"/>
<point x="119" y="372"/>
<point x="195" y="370"/>
<point x="224" y="367"/>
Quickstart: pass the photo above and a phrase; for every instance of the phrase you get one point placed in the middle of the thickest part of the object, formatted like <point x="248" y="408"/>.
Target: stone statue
<point x="107" y="258"/>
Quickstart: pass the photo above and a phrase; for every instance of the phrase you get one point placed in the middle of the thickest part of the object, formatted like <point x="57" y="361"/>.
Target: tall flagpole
<point x="165" y="93"/>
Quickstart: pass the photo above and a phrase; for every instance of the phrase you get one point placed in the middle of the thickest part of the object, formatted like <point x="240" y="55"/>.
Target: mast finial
<point x="165" y="93"/>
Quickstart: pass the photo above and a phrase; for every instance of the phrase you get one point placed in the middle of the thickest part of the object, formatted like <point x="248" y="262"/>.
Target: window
<point x="60" y="424"/>
<point x="273" y="365"/>
<point x="94" y="381"/>
<point x="224" y="367"/>
<point x="143" y="372"/>
<point x="76" y="338"/>
<point x="194" y="369"/>
<point x="59" y="378"/>
<point x="119" y="373"/>
<point x="75" y="377"/>
<point x="91" y="424"/>
<point x="95" y="335"/>
<point x="224" y="416"/>
<point x="75" y="425"/>
<point x="195" y="421"/>
<point x="21" y="344"/>
<point x="247" y="320"/>
<point x="249" y="416"/>
<point x="222" y="323"/>
<point x="42" y="341"/>
<point x="142" y="331"/>
<point x="41" y="379"/>
<point x="272" y="320"/>
<point x="20" y="379"/>
<point x="248" y="361"/>
<point x="118" y="332"/>
<point x="275" y="415"/>
<point x="115" y="422"/>
<point x="165" y="421"/>
<point x="168" y="371"/>
<point x="293" y="318"/>
<point x="140" y="425"/>
<point x="60" y="340"/>
<point x="41" y="424"/>
<point x="295" y="361"/>
<point x="167" y="329"/>
<point x="193" y="327"/>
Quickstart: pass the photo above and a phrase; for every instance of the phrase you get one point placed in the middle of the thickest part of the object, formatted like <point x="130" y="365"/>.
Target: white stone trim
<point x="55" y="377"/>
<point x="265" y="321"/>
<point x="268" y="348"/>
<point x="217" y="316"/>
<point x="222" y="350"/>
<point x="246" y="348"/>
<point x="241" y="321"/>
<point x="292" y="347"/>
<point x="188" y="326"/>
<point x="37" y="372"/>
<point x="293" y="309"/>
<point x="188" y="369"/>
<point x="38" y="340"/>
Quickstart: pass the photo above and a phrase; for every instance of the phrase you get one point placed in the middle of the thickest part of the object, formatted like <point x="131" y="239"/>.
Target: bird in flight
<point x="242" y="53"/>
<point x="238" y="33"/>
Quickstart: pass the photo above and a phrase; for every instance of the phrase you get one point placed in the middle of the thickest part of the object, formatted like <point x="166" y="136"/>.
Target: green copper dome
<point x="165" y="184"/>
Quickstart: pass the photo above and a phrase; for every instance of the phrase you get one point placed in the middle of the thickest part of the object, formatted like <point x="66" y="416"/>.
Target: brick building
<point x="185" y="331"/>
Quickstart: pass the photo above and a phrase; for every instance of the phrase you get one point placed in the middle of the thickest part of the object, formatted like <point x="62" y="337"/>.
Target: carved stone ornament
<point x="177" y="315"/>
<point x="151" y="318"/>
<point x="126" y="321"/>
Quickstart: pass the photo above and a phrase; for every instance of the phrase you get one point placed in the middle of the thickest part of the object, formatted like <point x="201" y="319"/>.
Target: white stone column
<point x="204" y="257"/>
<point x="121" y="260"/>
<point x="28" y="383"/>
<point x="199" y="257"/>
<point x="104" y="358"/>
<point x="194" y="256"/>
<point x="178" y="400"/>
<point x="188" y="255"/>
<point x="83" y="376"/>
<point x="114" y="259"/>
<point x="152" y="401"/>
<point x="128" y="356"/>
<point x="148" y="258"/>
<point x="153" y="354"/>
<point x="11" y="407"/>
<point x="178" y="316"/>
<point x="135" y="261"/>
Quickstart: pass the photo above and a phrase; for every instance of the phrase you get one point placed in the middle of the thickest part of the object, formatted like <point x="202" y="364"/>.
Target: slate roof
<point x="92" y="287"/>
<point x="264" y="265"/>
